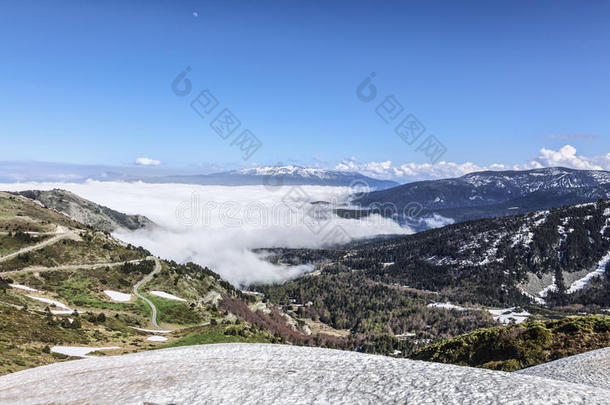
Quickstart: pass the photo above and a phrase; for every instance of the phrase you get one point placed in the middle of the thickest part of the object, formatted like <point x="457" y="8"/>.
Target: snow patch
<point x="508" y="315"/>
<point x="165" y="295"/>
<point x="446" y="305"/>
<point x="537" y="300"/>
<point x="156" y="338"/>
<point x="582" y="283"/>
<point x="23" y="287"/>
<point x="78" y="351"/>
<point x="549" y="288"/>
<point x="117" y="296"/>
<point x="151" y="330"/>
<point x="65" y="310"/>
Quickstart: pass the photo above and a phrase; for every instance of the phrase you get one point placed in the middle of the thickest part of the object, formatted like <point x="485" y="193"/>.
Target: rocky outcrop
<point x="89" y="213"/>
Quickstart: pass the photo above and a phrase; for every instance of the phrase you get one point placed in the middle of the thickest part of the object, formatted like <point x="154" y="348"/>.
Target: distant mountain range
<point x="278" y="176"/>
<point x="269" y="175"/>
<point x="495" y="193"/>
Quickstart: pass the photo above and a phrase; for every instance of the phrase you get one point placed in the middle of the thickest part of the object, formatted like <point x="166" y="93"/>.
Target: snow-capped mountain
<point x="289" y="171"/>
<point x="489" y="193"/>
<point x="530" y="181"/>
<point x="278" y="176"/>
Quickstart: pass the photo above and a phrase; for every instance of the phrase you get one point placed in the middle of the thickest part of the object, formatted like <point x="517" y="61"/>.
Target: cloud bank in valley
<point x="217" y="226"/>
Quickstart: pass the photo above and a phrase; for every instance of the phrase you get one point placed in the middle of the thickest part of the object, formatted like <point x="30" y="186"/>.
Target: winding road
<point x="69" y="234"/>
<point x="97" y="265"/>
<point x="38" y="245"/>
<point x="150" y="304"/>
<point x="68" y="267"/>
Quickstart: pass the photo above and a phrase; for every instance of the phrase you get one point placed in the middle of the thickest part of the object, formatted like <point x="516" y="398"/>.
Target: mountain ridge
<point x="87" y="212"/>
<point x="277" y="176"/>
<point x="494" y="193"/>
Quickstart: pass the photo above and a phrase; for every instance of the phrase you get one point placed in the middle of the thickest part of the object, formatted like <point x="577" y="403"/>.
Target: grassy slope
<point x="519" y="346"/>
<point x="84" y="288"/>
<point x="94" y="248"/>
<point x="21" y="214"/>
<point x="225" y="333"/>
<point x="28" y="330"/>
<point x="10" y="243"/>
<point x="209" y="314"/>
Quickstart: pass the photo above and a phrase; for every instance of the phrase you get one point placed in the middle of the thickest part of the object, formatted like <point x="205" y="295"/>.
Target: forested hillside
<point x="497" y="261"/>
<point x="537" y="265"/>
<point x="494" y="193"/>
<point x="519" y="346"/>
<point x="69" y="284"/>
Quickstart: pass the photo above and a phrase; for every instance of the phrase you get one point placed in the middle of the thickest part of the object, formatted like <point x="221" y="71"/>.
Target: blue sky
<point x="496" y="82"/>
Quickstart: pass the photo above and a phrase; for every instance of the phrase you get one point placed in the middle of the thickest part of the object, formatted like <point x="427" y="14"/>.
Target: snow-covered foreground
<point x="591" y="368"/>
<point x="270" y="374"/>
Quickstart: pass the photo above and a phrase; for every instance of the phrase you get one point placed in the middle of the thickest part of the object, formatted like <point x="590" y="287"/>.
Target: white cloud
<point x="367" y="168"/>
<point x="387" y="170"/>
<point x="221" y="225"/>
<point x="603" y="161"/>
<point x="565" y="157"/>
<point x="143" y="161"/>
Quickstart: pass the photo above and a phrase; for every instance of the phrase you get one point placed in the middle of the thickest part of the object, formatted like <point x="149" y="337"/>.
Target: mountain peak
<point x="289" y="175"/>
<point x="290" y="170"/>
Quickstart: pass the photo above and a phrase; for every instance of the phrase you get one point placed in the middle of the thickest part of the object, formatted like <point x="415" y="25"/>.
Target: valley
<point x="305" y="202"/>
<point x="63" y="292"/>
<point x="399" y="296"/>
<point x="444" y="282"/>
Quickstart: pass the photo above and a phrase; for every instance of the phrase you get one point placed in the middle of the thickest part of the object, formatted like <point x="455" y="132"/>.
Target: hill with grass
<point x="66" y="285"/>
<point x="396" y="294"/>
<point x="87" y="212"/>
<point x="520" y="346"/>
<point x="70" y="290"/>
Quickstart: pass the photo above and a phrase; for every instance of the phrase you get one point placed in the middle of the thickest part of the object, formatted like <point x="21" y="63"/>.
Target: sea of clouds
<point x="218" y="226"/>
